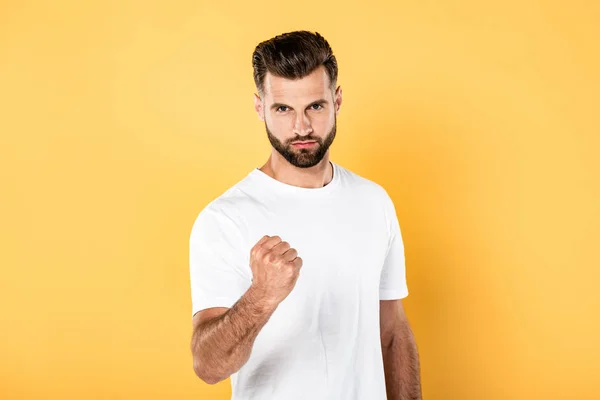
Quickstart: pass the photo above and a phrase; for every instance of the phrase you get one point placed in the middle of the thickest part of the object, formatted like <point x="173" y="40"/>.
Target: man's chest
<point x="343" y="251"/>
<point x="342" y="248"/>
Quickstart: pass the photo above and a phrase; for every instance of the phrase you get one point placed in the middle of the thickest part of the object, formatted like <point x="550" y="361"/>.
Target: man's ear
<point x="259" y="108"/>
<point x="338" y="99"/>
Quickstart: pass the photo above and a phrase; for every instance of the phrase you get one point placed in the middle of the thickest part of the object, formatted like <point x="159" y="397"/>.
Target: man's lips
<point x="304" y="144"/>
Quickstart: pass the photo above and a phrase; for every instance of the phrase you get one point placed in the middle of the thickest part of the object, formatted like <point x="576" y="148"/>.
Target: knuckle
<point x="269" y="257"/>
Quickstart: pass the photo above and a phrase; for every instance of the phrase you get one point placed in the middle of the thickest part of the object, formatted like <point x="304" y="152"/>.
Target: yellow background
<point x="120" y="120"/>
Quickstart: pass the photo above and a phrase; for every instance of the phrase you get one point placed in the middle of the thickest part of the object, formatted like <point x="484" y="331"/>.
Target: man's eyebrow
<point x="320" y="101"/>
<point x="275" y="106"/>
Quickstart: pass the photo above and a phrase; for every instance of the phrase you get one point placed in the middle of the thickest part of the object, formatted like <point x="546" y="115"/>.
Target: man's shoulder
<point x="226" y="207"/>
<point x="359" y="182"/>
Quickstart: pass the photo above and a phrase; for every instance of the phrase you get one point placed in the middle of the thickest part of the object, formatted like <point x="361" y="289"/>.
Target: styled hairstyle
<point x="293" y="55"/>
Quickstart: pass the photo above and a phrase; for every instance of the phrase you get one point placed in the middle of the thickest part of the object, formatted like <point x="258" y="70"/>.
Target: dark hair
<point x="293" y="55"/>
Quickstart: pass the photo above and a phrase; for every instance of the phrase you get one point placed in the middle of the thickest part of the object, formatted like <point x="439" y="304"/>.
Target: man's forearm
<point x="401" y="366"/>
<point x="221" y="346"/>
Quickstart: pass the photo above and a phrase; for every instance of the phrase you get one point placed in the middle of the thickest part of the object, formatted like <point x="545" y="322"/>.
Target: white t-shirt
<point x="323" y="340"/>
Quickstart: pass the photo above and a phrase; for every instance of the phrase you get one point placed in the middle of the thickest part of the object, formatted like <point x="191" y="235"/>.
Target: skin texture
<point x="399" y="350"/>
<point x="222" y="337"/>
<point x="294" y="110"/>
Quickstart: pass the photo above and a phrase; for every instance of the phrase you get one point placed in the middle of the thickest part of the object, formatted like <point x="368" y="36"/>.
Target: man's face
<point x="302" y="110"/>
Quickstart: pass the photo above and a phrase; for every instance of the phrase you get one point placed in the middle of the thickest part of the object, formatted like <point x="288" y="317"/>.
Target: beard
<point x="307" y="157"/>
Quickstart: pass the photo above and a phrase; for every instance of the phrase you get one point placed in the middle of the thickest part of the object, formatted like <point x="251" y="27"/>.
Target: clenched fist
<point x="275" y="268"/>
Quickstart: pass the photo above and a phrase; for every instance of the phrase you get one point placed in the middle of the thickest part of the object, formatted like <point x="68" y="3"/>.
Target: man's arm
<point x="400" y="357"/>
<point x="222" y="344"/>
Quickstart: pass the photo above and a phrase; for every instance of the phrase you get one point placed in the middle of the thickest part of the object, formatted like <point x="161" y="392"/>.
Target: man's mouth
<point x="304" y="144"/>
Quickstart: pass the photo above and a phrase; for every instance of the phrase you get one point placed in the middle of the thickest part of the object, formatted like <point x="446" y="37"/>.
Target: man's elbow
<point x="212" y="381"/>
<point x="206" y="377"/>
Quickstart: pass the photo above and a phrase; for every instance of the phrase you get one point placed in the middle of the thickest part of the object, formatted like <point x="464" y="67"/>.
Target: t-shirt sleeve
<point x="392" y="284"/>
<point x="219" y="269"/>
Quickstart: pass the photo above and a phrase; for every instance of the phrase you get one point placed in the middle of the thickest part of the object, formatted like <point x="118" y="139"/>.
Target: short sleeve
<point x="219" y="270"/>
<point x="392" y="284"/>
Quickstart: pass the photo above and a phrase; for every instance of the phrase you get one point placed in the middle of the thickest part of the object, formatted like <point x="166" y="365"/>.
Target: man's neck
<point x="314" y="177"/>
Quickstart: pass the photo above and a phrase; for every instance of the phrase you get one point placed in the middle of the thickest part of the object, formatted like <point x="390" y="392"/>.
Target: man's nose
<point x="302" y="125"/>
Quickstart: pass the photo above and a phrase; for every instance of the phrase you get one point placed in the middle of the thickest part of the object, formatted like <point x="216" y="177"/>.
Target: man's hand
<point x="275" y="268"/>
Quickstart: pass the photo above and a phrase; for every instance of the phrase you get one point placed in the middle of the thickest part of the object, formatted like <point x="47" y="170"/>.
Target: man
<point x="298" y="270"/>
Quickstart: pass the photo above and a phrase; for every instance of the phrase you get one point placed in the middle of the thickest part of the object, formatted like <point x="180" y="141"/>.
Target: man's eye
<point x="316" y="106"/>
<point x="280" y="108"/>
